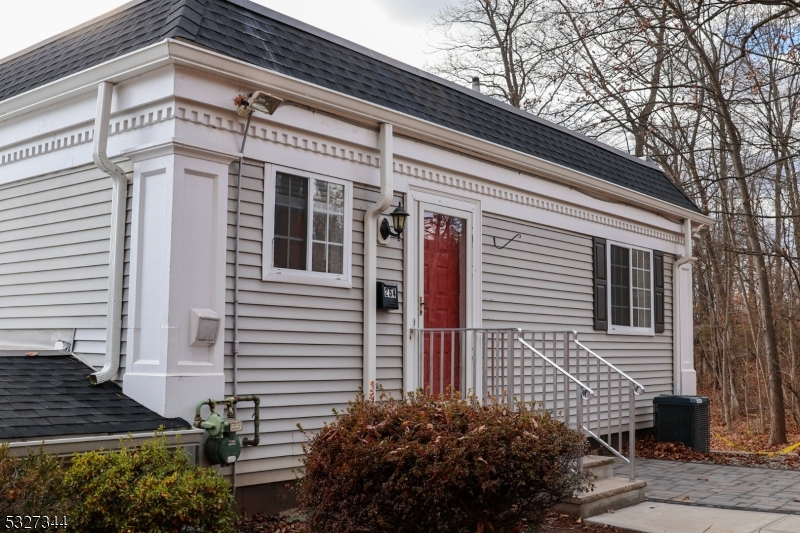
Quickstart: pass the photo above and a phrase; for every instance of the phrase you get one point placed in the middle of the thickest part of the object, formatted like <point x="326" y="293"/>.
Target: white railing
<point x="555" y="370"/>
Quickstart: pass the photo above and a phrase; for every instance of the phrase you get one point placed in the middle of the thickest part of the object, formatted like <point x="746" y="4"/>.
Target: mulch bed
<point x="282" y="523"/>
<point x="673" y="451"/>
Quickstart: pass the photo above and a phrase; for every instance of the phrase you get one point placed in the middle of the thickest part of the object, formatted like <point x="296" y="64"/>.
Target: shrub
<point x="418" y="464"/>
<point x="150" y="489"/>
<point x="30" y="485"/>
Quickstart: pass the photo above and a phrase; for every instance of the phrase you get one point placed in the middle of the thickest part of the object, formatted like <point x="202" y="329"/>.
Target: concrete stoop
<point x="608" y="494"/>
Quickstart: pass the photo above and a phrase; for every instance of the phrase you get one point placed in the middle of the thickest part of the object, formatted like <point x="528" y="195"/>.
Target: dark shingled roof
<point x="51" y="397"/>
<point x="254" y="34"/>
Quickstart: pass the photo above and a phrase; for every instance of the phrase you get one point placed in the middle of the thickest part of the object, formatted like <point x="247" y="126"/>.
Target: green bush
<point x="149" y="489"/>
<point x="422" y="465"/>
<point x="30" y="485"/>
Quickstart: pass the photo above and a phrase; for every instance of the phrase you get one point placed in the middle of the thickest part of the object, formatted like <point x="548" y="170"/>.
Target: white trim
<point x="178" y="52"/>
<point x="418" y="202"/>
<point x="307" y="277"/>
<point x="629" y="330"/>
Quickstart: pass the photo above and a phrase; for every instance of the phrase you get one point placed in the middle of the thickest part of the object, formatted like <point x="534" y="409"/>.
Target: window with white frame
<point x="630" y="289"/>
<point x="308" y="223"/>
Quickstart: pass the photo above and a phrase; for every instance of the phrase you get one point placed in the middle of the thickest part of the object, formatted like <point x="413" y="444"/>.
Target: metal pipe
<point x="236" y="260"/>
<point x="385" y="142"/>
<point x="116" y="259"/>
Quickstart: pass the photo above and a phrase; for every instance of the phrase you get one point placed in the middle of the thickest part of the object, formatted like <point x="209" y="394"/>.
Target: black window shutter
<point x="658" y="290"/>
<point x="600" y="284"/>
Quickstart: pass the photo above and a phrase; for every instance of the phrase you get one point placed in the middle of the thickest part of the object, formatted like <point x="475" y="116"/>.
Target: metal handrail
<point x="587" y="393"/>
<point x="638" y="388"/>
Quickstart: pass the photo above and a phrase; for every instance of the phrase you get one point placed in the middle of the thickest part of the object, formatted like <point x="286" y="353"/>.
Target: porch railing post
<point x="580" y="424"/>
<point x="510" y="378"/>
<point x="631" y="430"/>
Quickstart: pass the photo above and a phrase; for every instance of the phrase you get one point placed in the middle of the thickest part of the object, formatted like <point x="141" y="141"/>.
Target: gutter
<point x="116" y="259"/>
<point x="677" y="305"/>
<point x="174" y="52"/>
<point x="370" y="367"/>
<point x="67" y="446"/>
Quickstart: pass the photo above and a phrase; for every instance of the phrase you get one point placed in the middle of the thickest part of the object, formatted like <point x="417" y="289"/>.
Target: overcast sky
<point x="396" y="28"/>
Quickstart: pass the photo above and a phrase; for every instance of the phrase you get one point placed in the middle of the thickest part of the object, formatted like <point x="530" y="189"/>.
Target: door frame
<point x="419" y="201"/>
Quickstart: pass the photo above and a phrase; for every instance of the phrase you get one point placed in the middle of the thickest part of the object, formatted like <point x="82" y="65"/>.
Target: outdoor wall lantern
<point x="399" y="216"/>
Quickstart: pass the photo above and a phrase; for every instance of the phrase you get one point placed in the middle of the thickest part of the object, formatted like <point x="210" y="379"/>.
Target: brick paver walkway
<point x="735" y="487"/>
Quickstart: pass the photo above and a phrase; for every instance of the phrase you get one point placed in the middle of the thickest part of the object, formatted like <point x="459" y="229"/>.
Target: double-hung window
<point x="307" y="219"/>
<point x="630" y="289"/>
<point x="628" y="285"/>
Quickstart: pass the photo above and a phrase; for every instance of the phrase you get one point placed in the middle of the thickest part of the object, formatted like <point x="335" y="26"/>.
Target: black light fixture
<point x="399" y="216"/>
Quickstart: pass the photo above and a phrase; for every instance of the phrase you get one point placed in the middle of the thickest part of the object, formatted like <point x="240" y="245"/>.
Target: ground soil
<point x="747" y="433"/>
<point x="554" y="524"/>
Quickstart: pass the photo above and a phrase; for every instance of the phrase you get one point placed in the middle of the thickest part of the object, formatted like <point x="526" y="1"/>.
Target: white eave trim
<point x="70" y="445"/>
<point x="171" y="51"/>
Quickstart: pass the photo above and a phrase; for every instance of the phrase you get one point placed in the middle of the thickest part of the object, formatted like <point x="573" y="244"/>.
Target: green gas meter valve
<point x="222" y="446"/>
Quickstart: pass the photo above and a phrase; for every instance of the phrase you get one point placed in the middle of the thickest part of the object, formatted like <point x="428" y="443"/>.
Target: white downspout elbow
<point x="116" y="260"/>
<point x="677" y="304"/>
<point x="370" y="256"/>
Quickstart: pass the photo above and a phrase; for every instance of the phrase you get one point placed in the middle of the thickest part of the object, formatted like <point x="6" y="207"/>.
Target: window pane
<point x="335" y="259"/>
<point x="280" y="252"/>
<point x="620" y="287"/>
<point x="291" y="205"/>
<point x="336" y="229"/>
<point x="641" y="288"/>
<point x="320" y="230"/>
<point x="328" y="237"/>
<point x="320" y="195"/>
<point x="297" y="254"/>
<point x="281" y="220"/>
<point x="336" y="198"/>
<point x="318" y="260"/>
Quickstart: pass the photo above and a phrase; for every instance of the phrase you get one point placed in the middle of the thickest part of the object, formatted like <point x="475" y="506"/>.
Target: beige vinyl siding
<point x="300" y="345"/>
<point x="543" y="282"/>
<point x="54" y="244"/>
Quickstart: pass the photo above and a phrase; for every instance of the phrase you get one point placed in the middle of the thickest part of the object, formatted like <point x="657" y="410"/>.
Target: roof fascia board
<point x="115" y="70"/>
<point x="69" y="445"/>
<point x="280" y="17"/>
<point x="340" y="104"/>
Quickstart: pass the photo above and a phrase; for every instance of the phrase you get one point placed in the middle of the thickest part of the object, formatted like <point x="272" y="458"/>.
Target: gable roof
<point x="49" y="396"/>
<point x="262" y="37"/>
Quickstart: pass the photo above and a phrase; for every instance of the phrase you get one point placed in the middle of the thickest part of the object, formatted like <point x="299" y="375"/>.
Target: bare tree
<point x="711" y="92"/>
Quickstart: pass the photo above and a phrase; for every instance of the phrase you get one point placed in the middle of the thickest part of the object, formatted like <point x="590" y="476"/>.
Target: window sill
<point x="639" y="332"/>
<point x="308" y="278"/>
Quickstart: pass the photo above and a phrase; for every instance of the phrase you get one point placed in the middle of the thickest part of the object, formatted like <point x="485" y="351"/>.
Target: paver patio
<point x="734" y="487"/>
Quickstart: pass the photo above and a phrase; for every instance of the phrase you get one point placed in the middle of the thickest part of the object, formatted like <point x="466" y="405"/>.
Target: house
<point x="132" y="239"/>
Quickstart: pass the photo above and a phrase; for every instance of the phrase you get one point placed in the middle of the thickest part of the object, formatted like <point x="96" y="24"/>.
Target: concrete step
<point x="608" y="494"/>
<point x="599" y="465"/>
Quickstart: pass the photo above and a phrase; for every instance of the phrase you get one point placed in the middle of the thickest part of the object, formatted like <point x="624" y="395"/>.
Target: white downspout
<point x="371" y="256"/>
<point x="677" y="313"/>
<point x="116" y="260"/>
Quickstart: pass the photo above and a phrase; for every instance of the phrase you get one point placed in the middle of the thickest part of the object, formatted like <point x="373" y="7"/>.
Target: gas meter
<point x="222" y="446"/>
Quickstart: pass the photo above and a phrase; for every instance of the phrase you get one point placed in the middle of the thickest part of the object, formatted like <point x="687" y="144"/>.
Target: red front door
<point x="444" y="300"/>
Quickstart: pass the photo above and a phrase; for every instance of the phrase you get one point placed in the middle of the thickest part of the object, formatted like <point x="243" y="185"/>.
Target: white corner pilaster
<point x="177" y="263"/>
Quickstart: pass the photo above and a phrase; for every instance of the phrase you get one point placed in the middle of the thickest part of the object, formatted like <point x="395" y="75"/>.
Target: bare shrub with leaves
<point x="422" y="464"/>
